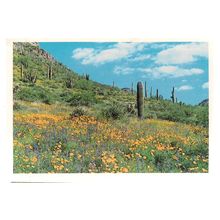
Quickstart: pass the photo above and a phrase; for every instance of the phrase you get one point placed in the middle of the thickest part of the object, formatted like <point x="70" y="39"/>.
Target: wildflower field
<point x="66" y="122"/>
<point x="54" y="142"/>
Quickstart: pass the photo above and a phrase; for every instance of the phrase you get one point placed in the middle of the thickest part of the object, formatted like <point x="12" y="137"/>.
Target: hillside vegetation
<point x="65" y="122"/>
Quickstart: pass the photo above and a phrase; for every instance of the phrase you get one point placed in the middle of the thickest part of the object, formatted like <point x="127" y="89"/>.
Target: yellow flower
<point x="124" y="170"/>
<point x="34" y="159"/>
<point x="175" y="157"/>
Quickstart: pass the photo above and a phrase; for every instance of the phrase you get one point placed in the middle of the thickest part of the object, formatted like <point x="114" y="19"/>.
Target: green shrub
<point x="78" y="112"/>
<point x="115" y="111"/>
<point x="66" y="96"/>
<point x="83" y="84"/>
<point x="82" y="99"/>
<point x="35" y="93"/>
<point x="202" y="116"/>
<point x="16" y="106"/>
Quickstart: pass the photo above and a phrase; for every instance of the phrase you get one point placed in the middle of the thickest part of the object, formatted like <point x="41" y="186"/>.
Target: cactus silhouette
<point x="157" y="94"/>
<point x="173" y="95"/>
<point x="50" y="72"/>
<point x="151" y="92"/>
<point x="30" y="77"/>
<point x="140" y="100"/>
<point x="22" y="69"/>
<point x="145" y="88"/>
<point x="87" y="76"/>
<point x="69" y="83"/>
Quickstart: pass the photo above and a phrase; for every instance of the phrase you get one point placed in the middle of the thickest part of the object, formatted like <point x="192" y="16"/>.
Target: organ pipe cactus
<point x="140" y="100"/>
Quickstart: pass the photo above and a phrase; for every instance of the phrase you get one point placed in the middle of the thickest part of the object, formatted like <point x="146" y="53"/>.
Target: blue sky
<point x="162" y="65"/>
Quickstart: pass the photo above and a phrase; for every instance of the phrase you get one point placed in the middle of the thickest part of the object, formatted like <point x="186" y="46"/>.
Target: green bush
<point x="114" y="111"/>
<point x="78" y="112"/>
<point x="16" y="106"/>
<point x="202" y="116"/>
<point x="66" y="96"/>
<point x="35" y="93"/>
<point x="83" y="84"/>
<point x="82" y="99"/>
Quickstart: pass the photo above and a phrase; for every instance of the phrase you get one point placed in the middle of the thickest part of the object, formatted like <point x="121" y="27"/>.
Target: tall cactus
<point x="22" y="70"/>
<point x="30" y="77"/>
<point x="140" y="100"/>
<point x="69" y="83"/>
<point x="87" y="76"/>
<point x="50" y="72"/>
<point x="151" y="92"/>
<point x="145" y="89"/>
<point x="157" y="94"/>
<point x="173" y="95"/>
<point x="132" y="88"/>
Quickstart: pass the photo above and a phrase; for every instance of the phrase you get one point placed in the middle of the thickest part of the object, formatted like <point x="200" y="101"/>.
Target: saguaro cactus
<point x="69" y="83"/>
<point x="50" y="72"/>
<point x="87" y="77"/>
<point x="157" y="94"/>
<point x="151" y="92"/>
<point x="140" y="100"/>
<point x="132" y="88"/>
<point x="22" y="70"/>
<point x="145" y="88"/>
<point x="30" y="77"/>
<point x="173" y="95"/>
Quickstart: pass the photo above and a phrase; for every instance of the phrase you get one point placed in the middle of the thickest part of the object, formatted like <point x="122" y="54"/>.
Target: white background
<point x="105" y="196"/>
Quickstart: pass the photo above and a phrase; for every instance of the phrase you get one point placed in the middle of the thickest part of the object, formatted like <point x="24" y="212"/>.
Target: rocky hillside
<point x="39" y="78"/>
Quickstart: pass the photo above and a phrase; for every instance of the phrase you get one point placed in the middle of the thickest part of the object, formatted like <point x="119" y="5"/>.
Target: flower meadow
<point x="58" y="143"/>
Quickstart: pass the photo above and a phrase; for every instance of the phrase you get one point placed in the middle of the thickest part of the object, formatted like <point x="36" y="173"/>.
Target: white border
<point x="147" y="196"/>
<point x="71" y="177"/>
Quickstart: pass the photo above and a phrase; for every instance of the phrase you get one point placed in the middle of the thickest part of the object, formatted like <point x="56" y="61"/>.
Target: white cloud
<point x="123" y="70"/>
<point x="205" y="85"/>
<point x="170" y="71"/>
<point x="182" y="53"/>
<point x="159" y="72"/>
<point x="141" y="58"/>
<point x="185" y="88"/>
<point x="160" y="45"/>
<point x="80" y="53"/>
<point x="116" y="52"/>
